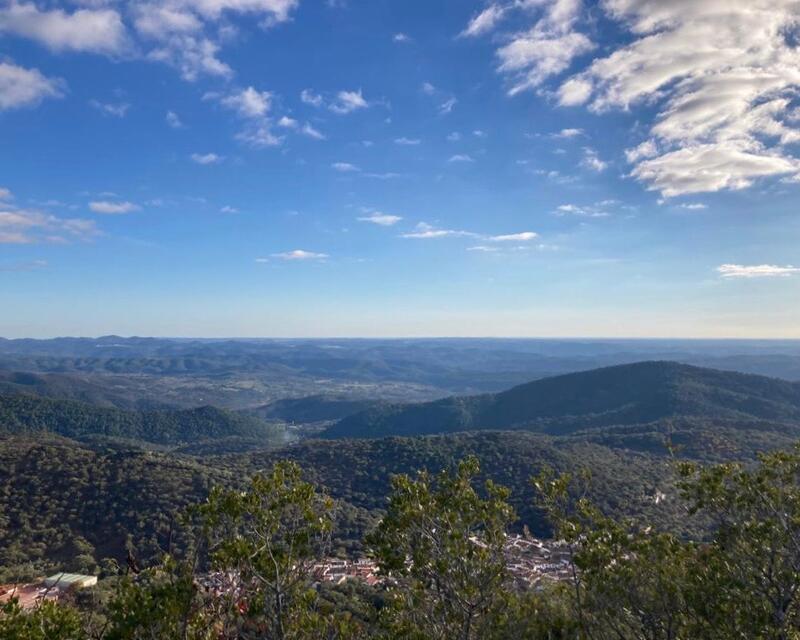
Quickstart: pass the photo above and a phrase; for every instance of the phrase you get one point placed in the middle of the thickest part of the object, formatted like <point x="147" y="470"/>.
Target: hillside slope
<point x="23" y="413"/>
<point x="638" y="393"/>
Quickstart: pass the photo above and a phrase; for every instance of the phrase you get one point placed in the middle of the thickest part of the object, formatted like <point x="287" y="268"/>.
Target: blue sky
<point x="387" y="168"/>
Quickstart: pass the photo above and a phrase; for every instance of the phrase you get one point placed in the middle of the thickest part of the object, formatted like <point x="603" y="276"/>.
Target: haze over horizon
<point x="354" y="168"/>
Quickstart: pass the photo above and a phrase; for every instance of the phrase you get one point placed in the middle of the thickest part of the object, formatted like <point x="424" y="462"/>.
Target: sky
<point x="621" y="168"/>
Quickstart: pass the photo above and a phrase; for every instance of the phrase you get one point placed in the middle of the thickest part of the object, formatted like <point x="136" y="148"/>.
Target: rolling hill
<point x="639" y="393"/>
<point x="316" y="408"/>
<point x="25" y="414"/>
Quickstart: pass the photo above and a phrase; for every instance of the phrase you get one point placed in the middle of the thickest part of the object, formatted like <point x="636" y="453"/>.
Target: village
<point x="531" y="563"/>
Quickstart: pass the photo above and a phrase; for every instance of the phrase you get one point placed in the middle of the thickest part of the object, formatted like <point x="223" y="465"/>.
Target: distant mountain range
<point x="469" y="365"/>
<point x="639" y="393"/>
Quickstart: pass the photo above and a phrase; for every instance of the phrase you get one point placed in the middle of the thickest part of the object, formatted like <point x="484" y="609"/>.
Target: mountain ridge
<point x="628" y="394"/>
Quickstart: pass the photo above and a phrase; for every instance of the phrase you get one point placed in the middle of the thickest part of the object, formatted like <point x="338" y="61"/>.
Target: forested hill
<point x="317" y="408"/>
<point x="23" y="413"/>
<point x="638" y="393"/>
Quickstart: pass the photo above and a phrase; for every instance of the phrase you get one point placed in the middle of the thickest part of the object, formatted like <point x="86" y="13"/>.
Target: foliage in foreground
<point x="441" y="546"/>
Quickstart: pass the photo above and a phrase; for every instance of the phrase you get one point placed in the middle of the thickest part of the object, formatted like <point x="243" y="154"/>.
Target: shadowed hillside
<point x="622" y="395"/>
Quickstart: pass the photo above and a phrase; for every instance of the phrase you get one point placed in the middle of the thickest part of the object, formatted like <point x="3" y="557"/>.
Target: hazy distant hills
<point x="449" y="365"/>
<point x="621" y="395"/>
<point x="27" y="414"/>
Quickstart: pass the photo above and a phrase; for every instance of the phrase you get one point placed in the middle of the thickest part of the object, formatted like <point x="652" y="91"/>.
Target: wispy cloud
<point x="300" y="255"/>
<point x="116" y="109"/>
<point x="347" y="102"/>
<point x="173" y="120"/>
<point x="596" y="210"/>
<point x="569" y="133"/>
<point x="592" y="161"/>
<point x="382" y="219"/>
<point x="524" y="236"/>
<point x="29" y="226"/>
<point x="461" y="157"/>
<point x="756" y="271"/>
<point x="206" y="158"/>
<point x="485" y="21"/>
<point x="345" y="167"/>
<point x="113" y="208"/>
<point x="425" y="231"/>
<point x="407" y="141"/>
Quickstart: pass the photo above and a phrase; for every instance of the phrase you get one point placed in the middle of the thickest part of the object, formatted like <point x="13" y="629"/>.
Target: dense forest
<point x="440" y="552"/>
<point x="622" y="395"/>
<point x="24" y="413"/>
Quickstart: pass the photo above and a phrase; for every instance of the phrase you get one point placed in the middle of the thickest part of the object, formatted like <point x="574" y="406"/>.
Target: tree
<point x="442" y="544"/>
<point x="47" y="621"/>
<point x="748" y="578"/>
<point x="629" y="582"/>
<point x="265" y="541"/>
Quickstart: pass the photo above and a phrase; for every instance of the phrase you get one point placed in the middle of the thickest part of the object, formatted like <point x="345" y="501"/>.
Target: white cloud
<point x="485" y="21"/>
<point x="478" y="133"/>
<point x="160" y="21"/>
<point x="401" y="37"/>
<point x="524" y="236"/>
<point x="345" y="167"/>
<point x="447" y="106"/>
<point x="249" y="103"/>
<point x="348" y="101"/>
<point x="569" y="133"/>
<point x="455" y="136"/>
<point x="461" y="157"/>
<point x="693" y="206"/>
<point x="382" y="219"/>
<point x="106" y="206"/>
<point x="173" y="120"/>
<point x="187" y="34"/>
<point x="389" y="175"/>
<point x="96" y="30"/>
<point x="28" y="226"/>
<point x="596" y="210"/>
<point x="546" y="49"/>
<point x="309" y="97"/>
<point x="756" y="271"/>
<point x="425" y="231"/>
<point x="20" y="87"/>
<point x="254" y="107"/>
<point x="300" y="254"/>
<point x="5" y="194"/>
<point x="592" y="161"/>
<point x="646" y="149"/>
<point x="118" y="110"/>
<point x="228" y="209"/>
<point x="407" y="141"/>
<point x="259" y="135"/>
<point x="723" y="76"/>
<point x="428" y="88"/>
<point x="206" y="158"/>
<point x="191" y="55"/>
<point x="308" y="130"/>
